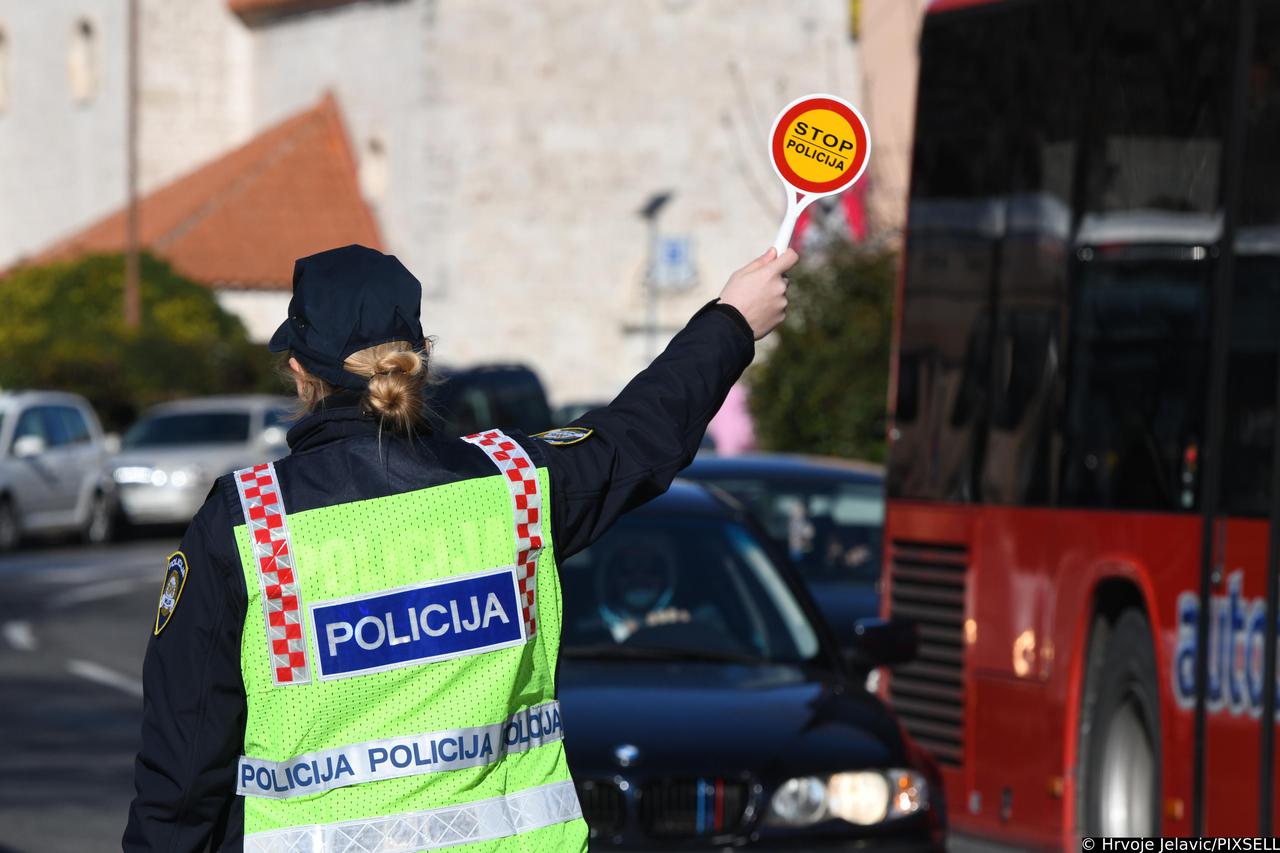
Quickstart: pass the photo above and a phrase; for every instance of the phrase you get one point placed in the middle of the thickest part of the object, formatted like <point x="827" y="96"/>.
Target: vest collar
<point x="340" y="415"/>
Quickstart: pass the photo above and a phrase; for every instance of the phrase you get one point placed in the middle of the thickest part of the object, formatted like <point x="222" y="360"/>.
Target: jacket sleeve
<point x="641" y="441"/>
<point x="193" y="707"/>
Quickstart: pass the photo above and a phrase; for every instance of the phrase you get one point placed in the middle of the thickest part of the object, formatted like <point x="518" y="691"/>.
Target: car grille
<point x="928" y="586"/>
<point x="672" y="808"/>
<point x="603" y="807"/>
<point x="668" y="808"/>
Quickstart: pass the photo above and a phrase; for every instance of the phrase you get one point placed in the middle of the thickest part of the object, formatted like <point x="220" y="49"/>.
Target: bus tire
<point x="1122" y="771"/>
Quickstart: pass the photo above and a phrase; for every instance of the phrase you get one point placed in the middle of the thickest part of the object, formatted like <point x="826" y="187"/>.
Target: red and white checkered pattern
<point x="278" y="577"/>
<point x="521" y="476"/>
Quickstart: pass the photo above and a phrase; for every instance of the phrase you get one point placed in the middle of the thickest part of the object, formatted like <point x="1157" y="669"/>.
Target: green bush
<point x="822" y="387"/>
<point x="62" y="326"/>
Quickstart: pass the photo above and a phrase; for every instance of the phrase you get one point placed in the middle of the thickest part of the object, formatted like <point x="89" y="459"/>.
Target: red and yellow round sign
<point x="820" y="144"/>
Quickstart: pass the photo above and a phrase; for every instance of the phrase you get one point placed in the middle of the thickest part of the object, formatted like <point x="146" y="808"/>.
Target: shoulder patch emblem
<point x="175" y="578"/>
<point x="565" y="435"/>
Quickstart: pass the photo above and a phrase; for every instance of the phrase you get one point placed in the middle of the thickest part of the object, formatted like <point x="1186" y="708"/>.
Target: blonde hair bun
<point x="397" y="378"/>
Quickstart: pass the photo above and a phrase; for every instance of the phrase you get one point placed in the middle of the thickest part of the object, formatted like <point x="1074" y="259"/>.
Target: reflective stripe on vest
<point x="521" y="477"/>
<point x="391" y="758"/>
<point x="482" y="820"/>
<point x="277" y="574"/>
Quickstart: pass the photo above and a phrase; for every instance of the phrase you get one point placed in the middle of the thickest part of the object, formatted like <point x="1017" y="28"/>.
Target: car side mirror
<point x="28" y="446"/>
<point x="882" y="642"/>
<point x="111" y="443"/>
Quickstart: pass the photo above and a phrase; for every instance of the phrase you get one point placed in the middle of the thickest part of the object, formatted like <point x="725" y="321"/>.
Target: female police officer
<point x="355" y="647"/>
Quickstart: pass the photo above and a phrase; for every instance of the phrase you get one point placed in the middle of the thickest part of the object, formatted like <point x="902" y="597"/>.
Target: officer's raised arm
<point x="615" y="458"/>
<point x="193" y="713"/>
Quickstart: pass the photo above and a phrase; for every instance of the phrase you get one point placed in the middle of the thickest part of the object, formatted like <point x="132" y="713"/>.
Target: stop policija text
<point x="817" y="144"/>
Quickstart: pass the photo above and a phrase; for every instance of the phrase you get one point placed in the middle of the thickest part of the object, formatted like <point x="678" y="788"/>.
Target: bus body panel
<point x="1027" y="625"/>
<point x="1022" y="707"/>
<point x="1232" y="758"/>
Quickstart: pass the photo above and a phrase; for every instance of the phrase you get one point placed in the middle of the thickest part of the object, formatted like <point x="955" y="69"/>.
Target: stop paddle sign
<point x="819" y="147"/>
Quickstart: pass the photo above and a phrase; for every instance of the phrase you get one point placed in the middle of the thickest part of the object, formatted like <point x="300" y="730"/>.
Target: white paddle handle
<point x="786" y="229"/>
<point x="795" y="207"/>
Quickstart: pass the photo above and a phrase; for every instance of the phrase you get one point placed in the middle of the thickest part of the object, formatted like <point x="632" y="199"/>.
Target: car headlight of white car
<point x="133" y="474"/>
<point x="146" y="475"/>
<point x="191" y="475"/>
<point x="860" y="797"/>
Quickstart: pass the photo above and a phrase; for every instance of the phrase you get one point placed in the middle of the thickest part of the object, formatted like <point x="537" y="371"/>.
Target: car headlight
<point x="145" y="475"/>
<point x="860" y="797"/>
<point x="133" y="474"/>
<point x="873" y="681"/>
<point x="188" y="476"/>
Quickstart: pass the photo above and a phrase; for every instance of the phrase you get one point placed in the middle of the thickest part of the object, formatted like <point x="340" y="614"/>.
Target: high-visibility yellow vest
<point x="399" y="660"/>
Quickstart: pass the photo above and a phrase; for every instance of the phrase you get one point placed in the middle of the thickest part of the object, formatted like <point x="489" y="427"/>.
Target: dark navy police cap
<point x="345" y="300"/>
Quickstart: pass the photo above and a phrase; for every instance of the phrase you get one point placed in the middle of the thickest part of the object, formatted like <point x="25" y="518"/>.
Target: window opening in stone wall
<point x="4" y="70"/>
<point x="82" y="62"/>
<point x="374" y="169"/>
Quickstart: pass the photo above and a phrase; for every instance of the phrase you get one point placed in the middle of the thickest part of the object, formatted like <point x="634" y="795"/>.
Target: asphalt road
<point x="74" y="624"/>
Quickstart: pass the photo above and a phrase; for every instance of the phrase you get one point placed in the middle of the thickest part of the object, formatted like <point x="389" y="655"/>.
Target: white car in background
<point x="51" y="453"/>
<point x="169" y="459"/>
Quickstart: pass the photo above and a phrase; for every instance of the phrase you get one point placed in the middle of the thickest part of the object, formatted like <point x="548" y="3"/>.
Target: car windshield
<point x="189" y="428"/>
<point x="469" y="401"/>
<point x="675" y="588"/>
<point x="830" y="528"/>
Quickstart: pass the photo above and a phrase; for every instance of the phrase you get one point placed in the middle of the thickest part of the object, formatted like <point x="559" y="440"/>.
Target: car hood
<point x="701" y="718"/>
<point x="213" y="460"/>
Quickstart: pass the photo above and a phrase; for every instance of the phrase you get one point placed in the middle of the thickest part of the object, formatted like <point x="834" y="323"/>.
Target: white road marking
<point x="69" y="577"/>
<point x="19" y="635"/>
<point x="93" y="592"/>
<point x="107" y="677"/>
<point x="74" y="565"/>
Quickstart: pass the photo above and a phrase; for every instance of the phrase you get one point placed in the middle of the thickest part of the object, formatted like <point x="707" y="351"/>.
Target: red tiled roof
<point x="252" y="9"/>
<point x="242" y="219"/>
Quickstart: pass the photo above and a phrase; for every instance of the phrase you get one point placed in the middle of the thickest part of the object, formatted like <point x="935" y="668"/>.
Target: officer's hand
<point x="759" y="291"/>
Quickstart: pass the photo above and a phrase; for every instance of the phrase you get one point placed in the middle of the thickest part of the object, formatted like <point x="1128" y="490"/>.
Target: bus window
<point x="1158" y="113"/>
<point x="1143" y="255"/>
<point x="1138" y="373"/>
<point x="959" y="178"/>
<point x="1255" y="316"/>
<point x="1048" y="58"/>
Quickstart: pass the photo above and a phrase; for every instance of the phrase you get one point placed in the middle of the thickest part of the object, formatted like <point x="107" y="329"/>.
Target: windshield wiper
<point x="613" y="651"/>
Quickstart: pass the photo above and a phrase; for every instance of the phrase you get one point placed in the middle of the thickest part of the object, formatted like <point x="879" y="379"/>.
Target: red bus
<point x="1083" y="422"/>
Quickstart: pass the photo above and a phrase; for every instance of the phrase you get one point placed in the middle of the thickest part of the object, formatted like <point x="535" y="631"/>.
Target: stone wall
<point x="521" y="139"/>
<point x="61" y="157"/>
<point x="197" y="96"/>
<point x="64" y="157"/>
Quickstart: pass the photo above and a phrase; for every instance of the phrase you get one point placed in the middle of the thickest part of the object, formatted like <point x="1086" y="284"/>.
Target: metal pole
<point x="651" y="294"/>
<point x="132" y="294"/>
<point x="649" y="213"/>
<point x="1223" y="282"/>
<point x="1266" y="763"/>
<point x="1266" y="775"/>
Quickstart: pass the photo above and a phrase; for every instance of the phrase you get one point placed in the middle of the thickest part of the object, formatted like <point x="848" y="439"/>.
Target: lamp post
<point x="649" y="213"/>
<point x="132" y="295"/>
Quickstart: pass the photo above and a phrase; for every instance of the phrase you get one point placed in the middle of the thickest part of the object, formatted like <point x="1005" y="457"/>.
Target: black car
<point x="827" y="514"/>
<point x="706" y="706"/>
<point x="502" y="396"/>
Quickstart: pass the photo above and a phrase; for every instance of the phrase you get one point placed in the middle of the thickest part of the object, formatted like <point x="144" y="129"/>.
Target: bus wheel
<point x="1122" y="770"/>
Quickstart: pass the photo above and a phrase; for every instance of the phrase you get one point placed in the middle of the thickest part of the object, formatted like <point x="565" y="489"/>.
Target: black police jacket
<point x="194" y="704"/>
